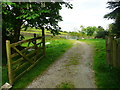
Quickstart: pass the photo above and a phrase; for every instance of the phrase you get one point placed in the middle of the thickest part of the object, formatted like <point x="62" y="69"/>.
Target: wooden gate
<point x="23" y="55"/>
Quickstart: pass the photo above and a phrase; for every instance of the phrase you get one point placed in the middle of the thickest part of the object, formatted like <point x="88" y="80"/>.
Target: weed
<point x="72" y="61"/>
<point x="65" y="84"/>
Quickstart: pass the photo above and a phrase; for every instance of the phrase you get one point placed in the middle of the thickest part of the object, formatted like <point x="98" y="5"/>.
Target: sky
<point x="86" y="13"/>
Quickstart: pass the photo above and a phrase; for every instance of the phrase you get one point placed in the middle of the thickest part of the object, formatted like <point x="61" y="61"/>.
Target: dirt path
<point x="74" y="66"/>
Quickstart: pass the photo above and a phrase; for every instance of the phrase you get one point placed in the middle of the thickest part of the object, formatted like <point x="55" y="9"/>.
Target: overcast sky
<point x="86" y="13"/>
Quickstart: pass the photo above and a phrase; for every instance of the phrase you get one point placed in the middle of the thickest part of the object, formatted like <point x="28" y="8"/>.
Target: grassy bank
<point x="54" y="50"/>
<point x="39" y="32"/>
<point x="106" y="76"/>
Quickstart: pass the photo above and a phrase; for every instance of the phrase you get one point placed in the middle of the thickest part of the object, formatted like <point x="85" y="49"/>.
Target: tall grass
<point x="106" y="75"/>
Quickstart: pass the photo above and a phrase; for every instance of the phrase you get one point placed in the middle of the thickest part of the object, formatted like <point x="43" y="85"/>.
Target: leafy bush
<point x="101" y="34"/>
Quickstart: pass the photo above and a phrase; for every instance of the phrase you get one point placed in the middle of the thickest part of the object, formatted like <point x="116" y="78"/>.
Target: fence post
<point x="109" y="48"/>
<point x="111" y="43"/>
<point x="118" y="54"/>
<point x="114" y="53"/>
<point x="108" y="51"/>
<point x="35" y="37"/>
<point x="43" y="41"/>
<point x="8" y="50"/>
<point x="35" y="47"/>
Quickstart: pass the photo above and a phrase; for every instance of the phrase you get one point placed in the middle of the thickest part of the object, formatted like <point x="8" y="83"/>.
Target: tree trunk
<point x="17" y="31"/>
<point x="16" y="34"/>
<point x="4" y="38"/>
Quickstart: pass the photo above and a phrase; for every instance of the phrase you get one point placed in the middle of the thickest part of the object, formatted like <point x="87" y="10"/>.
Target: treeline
<point x="90" y="32"/>
<point x="114" y="28"/>
<point x="100" y="32"/>
<point x="113" y="41"/>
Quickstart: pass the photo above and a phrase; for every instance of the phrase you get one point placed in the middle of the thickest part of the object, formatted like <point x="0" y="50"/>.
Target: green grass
<point x="54" y="50"/>
<point x="73" y="61"/>
<point x="65" y="85"/>
<point x="39" y="31"/>
<point x="106" y="75"/>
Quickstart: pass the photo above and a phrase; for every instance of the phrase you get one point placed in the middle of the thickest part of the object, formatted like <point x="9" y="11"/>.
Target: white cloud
<point x="84" y="12"/>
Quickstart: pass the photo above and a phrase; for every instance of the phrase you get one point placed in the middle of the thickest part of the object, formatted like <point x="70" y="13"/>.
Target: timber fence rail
<point x="21" y="60"/>
<point x="113" y="51"/>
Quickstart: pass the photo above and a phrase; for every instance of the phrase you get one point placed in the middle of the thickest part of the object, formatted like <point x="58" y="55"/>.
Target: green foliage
<point x="100" y="28"/>
<point x="85" y="32"/>
<point x="101" y="34"/>
<point x="89" y="31"/>
<point x="115" y="6"/>
<point x="110" y="27"/>
<point x="17" y="15"/>
<point x="21" y="15"/>
<point x="115" y="14"/>
<point x="106" y="76"/>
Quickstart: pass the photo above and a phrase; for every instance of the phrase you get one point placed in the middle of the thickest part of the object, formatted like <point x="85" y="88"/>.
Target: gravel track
<point x="74" y="66"/>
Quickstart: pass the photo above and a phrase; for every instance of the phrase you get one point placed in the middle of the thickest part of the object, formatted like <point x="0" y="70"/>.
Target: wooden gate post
<point x="8" y="50"/>
<point x="35" y="47"/>
<point x="114" y="53"/>
<point x="118" y="55"/>
<point x="43" y="41"/>
<point x="111" y="47"/>
<point x="108" y="51"/>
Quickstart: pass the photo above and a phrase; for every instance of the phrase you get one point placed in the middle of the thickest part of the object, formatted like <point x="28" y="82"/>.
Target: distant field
<point x="31" y="31"/>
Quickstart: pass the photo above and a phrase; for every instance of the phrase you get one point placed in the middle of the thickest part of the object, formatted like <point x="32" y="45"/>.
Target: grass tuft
<point x="65" y="85"/>
<point x="73" y="61"/>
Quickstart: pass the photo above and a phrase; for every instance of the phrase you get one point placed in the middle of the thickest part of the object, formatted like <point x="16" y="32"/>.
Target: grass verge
<point x="106" y="75"/>
<point x="54" y="50"/>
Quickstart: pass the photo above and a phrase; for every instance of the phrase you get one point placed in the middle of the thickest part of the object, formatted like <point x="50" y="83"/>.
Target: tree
<point x="110" y="27"/>
<point x="115" y="15"/>
<point x="20" y="15"/>
<point x="100" y="28"/>
<point x="101" y="34"/>
<point x="17" y="15"/>
<point x="89" y="31"/>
